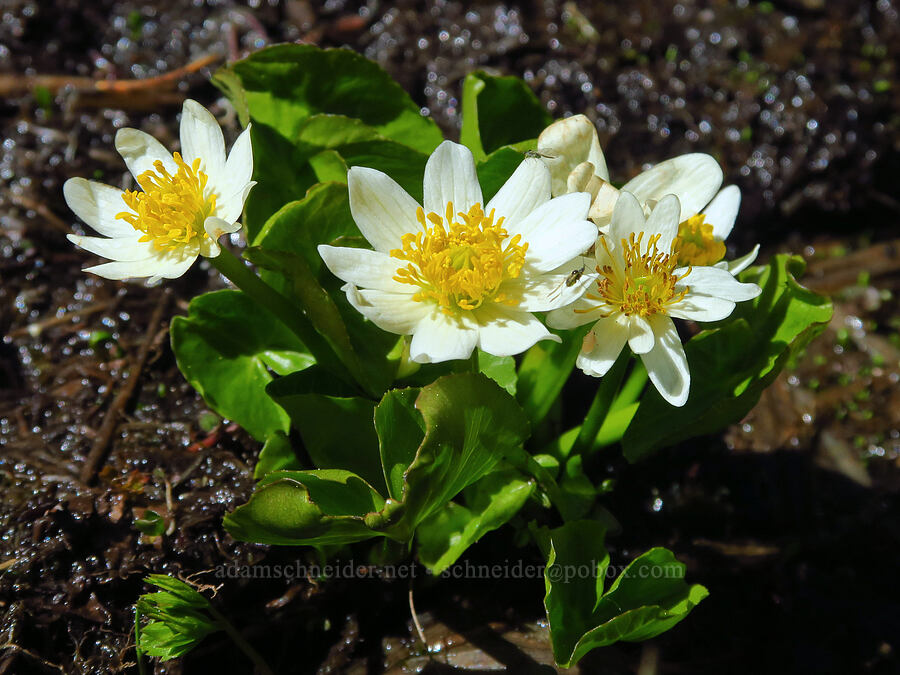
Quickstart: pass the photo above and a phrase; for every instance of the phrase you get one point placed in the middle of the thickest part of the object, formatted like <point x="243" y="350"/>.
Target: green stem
<point x="234" y="269"/>
<point x="243" y="645"/>
<point x="601" y="404"/>
<point x="137" y="641"/>
<point x="633" y="388"/>
<point x="238" y="273"/>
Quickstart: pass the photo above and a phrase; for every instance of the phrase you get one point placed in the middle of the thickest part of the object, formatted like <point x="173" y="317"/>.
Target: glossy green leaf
<point x="733" y="363"/>
<point x="361" y="145"/>
<point x="316" y="508"/>
<point x="277" y="454"/>
<point x="400" y="430"/>
<point x="495" y="169"/>
<point x="281" y="88"/>
<point x="489" y="504"/>
<point x="323" y="217"/>
<point x="337" y="428"/>
<point x="501" y="369"/>
<point x="285" y="84"/>
<point x="470" y="424"/>
<point x="649" y="597"/>
<point x="174" y="619"/>
<point x="227" y="347"/>
<point x="150" y="523"/>
<point x="499" y="111"/>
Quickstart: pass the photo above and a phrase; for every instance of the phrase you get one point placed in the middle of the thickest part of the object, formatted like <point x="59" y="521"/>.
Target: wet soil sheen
<point x="789" y="518"/>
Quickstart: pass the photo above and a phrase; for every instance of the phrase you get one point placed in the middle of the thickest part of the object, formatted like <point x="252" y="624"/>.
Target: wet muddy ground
<point x="789" y="517"/>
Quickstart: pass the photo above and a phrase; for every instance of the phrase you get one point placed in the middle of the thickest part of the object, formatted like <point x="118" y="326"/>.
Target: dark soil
<point x="789" y="518"/>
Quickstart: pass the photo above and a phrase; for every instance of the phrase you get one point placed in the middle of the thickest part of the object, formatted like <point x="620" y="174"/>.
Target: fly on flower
<point x="640" y="286"/>
<point x="186" y="200"/>
<point x="457" y="274"/>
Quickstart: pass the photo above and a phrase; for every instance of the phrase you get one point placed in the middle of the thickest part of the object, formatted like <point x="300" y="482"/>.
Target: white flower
<point x="571" y="149"/>
<point x="639" y="289"/>
<point x="456" y="275"/>
<point x="186" y="202"/>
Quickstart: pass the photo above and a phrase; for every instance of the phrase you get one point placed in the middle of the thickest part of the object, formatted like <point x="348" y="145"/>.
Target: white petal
<point x="701" y="308"/>
<point x="141" y="150"/>
<point x="627" y="219"/>
<point x="216" y="227"/>
<point x="505" y="332"/>
<point x="567" y="143"/>
<point x="738" y="265"/>
<point x="201" y="138"/>
<point x="526" y="189"/>
<point x="580" y="312"/>
<point x="394" y="312"/>
<point x="362" y="267"/>
<point x="722" y="211"/>
<point x="124" y="248"/>
<point x="168" y="267"/>
<point x="450" y="178"/>
<point x="693" y="178"/>
<point x="383" y="211"/>
<point x="548" y="291"/>
<point x="640" y="335"/>
<point x="557" y="231"/>
<point x="666" y="363"/>
<point x="238" y="171"/>
<point x="229" y="207"/>
<point x="609" y="336"/>
<point x="97" y="205"/>
<point x="663" y="220"/>
<point x="716" y="282"/>
<point x="439" y="337"/>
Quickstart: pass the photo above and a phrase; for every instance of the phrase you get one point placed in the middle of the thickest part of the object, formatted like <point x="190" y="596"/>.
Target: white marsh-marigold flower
<point x="457" y="274"/>
<point x="640" y="287"/>
<point x="571" y="149"/>
<point x="186" y="202"/>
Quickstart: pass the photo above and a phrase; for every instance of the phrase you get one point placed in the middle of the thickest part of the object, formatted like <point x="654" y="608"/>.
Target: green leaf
<point x="400" y="430"/>
<point x="501" y="369"/>
<point x="361" y="145"/>
<point x="226" y="347"/>
<point x="489" y="504"/>
<point x="495" y="169"/>
<point x="150" y="523"/>
<point x="733" y="363"/>
<point x="315" y="508"/>
<point x="175" y="619"/>
<point x="285" y="84"/>
<point x="499" y="111"/>
<point x="281" y="88"/>
<point x="337" y="427"/>
<point x="648" y="598"/>
<point x="470" y="424"/>
<point x="464" y="424"/>
<point x="544" y="370"/>
<point x="277" y="454"/>
<point x="323" y="217"/>
<point x="282" y="173"/>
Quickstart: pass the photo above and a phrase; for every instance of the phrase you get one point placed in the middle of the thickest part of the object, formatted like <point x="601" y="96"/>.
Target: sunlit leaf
<point x="227" y="347"/>
<point x="732" y="364"/>
<point x="649" y="597"/>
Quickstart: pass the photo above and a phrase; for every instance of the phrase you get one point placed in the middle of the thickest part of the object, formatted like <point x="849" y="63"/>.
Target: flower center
<point x="459" y="262"/>
<point x="646" y="283"/>
<point x="171" y="209"/>
<point x="696" y="244"/>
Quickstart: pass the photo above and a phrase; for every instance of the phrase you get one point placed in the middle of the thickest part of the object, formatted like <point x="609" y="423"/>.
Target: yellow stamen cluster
<point x="171" y="209"/>
<point x="645" y="285"/>
<point x="460" y="262"/>
<point x="696" y="244"/>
